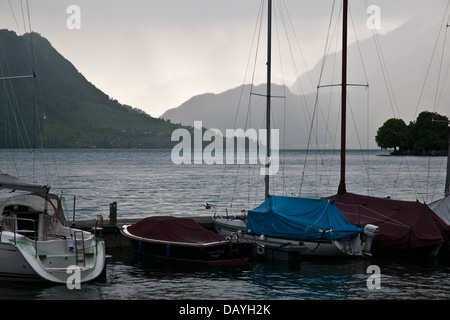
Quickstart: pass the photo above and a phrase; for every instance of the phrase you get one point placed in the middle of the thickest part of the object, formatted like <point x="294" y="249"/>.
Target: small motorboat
<point x="183" y="239"/>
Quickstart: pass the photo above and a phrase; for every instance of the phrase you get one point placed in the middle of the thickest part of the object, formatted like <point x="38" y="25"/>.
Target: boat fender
<point x="370" y="232"/>
<point x="168" y="250"/>
<point x="232" y="238"/>
<point x="260" y="250"/>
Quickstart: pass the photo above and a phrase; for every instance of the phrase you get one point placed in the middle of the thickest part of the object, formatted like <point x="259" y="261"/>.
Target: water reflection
<point x="131" y="277"/>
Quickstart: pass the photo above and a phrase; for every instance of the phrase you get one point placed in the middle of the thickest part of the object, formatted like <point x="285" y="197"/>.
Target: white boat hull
<point x="13" y="266"/>
<point x="336" y="248"/>
<point x="228" y="227"/>
<point x="53" y="261"/>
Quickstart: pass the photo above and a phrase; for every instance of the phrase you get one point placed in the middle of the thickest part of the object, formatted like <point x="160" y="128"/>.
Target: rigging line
<point x="428" y="178"/>
<point x="440" y="69"/>
<point x="436" y="179"/>
<point x="299" y="48"/>
<point x="330" y="97"/>
<point x="359" y="50"/>
<point x="258" y="21"/>
<point x="446" y="73"/>
<point x="340" y="85"/>
<point x="309" y="75"/>
<point x="388" y="219"/>
<point x="366" y="164"/>
<point x="356" y="212"/>
<point x="384" y="72"/>
<point x="431" y="59"/>
<point x="442" y="87"/>
<point x="260" y="17"/>
<point x="324" y="61"/>
<point x="14" y="17"/>
<point x="311" y="129"/>
<point x="325" y="53"/>
<point x="264" y="95"/>
<point x="358" y="85"/>
<point x="318" y="218"/>
<point x="307" y="149"/>
<point x="298" y="82"/>
<point x="327" y="121"/>
<point x="394" y="186"/>
<point x="243" y="87"/>
<point x="17" y="77"/>
<point x="14" y="104"/>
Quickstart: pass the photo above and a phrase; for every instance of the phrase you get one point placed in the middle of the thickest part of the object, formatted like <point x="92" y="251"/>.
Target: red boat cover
<point x="403" y="224"/>
<point x="173" y="229"/>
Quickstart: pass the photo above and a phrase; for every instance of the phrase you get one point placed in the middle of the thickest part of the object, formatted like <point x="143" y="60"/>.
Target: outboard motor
<point x="370" y="232"/>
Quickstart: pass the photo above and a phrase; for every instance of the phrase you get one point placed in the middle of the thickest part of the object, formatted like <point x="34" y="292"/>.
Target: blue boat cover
<point x="300" y="219"/>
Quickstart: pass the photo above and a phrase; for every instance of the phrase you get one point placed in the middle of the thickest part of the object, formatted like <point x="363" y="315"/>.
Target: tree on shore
<point x="428" y="133"/>
<point x="392" y="134"/>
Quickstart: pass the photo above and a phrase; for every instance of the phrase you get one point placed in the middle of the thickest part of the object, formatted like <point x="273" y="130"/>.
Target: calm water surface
<point x="146" y="182"/>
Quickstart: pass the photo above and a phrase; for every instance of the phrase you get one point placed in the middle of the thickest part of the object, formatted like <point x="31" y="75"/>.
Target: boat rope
<point x="316" y="104"/>
<point x="432" y="57"/>
<point x="384" y="71"/>
<point x="256" y="37"/>
<point x="318" y="218"/>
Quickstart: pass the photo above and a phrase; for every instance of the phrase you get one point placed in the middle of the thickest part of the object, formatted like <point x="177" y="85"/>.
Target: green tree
<point x="429" y="131"/>
<point x="392" y="134"/>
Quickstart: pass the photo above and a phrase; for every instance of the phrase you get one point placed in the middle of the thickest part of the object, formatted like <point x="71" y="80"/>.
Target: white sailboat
<point x="37" y="244"/>
<point x="282" y="241"/>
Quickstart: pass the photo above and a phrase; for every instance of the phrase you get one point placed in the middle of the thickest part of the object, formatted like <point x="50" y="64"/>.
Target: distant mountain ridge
<point x="72" y="112"/>
<point x="406" y="61"/>
<point x="237" y="108"/>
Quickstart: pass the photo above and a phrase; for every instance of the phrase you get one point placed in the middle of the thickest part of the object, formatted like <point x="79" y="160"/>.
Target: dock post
<point x="113" y="213"/>
<point x="73" y="211"/>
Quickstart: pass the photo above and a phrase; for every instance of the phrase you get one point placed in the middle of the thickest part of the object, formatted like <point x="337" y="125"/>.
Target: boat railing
<point x="12" y="224"/>
<point x="97" y="229"/>
<point x="224" y="211"/>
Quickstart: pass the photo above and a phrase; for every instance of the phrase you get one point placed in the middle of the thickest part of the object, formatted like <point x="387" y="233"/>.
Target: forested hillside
<point x="60" y="108"/>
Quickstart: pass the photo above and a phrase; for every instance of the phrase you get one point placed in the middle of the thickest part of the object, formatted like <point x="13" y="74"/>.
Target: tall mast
<point x="342" y="187"/>
<point x="269" y="57"/>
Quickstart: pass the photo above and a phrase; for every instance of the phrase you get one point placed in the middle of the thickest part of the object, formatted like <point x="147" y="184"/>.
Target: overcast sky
<point x="156" y="54"/>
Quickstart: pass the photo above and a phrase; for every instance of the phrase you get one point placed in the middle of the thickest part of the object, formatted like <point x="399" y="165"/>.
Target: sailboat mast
<point x="269" y="67"/>
<point x="342" y="187"/>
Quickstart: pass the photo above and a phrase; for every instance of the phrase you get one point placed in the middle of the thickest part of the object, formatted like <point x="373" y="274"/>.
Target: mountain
<point x="405" y="53"/>
<point x="237" y="108"/>
<point x="60" y="108"/>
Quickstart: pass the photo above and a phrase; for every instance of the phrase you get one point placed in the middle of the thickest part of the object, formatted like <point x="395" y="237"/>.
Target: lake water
<point x="146" y="182"/>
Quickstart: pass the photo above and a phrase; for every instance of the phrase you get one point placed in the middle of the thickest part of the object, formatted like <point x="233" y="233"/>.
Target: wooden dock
<point x="110" y="230"/>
